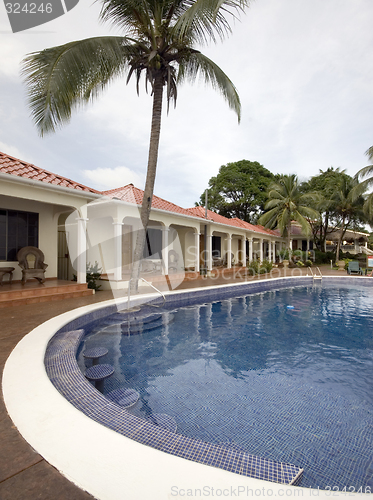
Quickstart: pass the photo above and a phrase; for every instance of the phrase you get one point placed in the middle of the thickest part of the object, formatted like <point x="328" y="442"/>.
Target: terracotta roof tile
<point x="129" y="193"/>
<point x="14" y="166"/>
<point x="132" y="194"/>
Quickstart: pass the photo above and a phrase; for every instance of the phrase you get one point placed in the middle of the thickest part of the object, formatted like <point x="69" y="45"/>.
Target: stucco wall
<point x="47" y="232"/>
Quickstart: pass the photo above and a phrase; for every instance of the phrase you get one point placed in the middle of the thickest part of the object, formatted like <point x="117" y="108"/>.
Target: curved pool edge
<point x="97" y="459"/>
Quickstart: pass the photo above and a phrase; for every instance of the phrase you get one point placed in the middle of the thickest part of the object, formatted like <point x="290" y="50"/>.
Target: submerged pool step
<point x="136" y="324"/>
<point x="64" y="373"/>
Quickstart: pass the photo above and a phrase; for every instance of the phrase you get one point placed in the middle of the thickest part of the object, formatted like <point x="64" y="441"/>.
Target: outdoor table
<point x="95" y="354"/>
<point x="98" y="374"/>
<point x="6" y="270"/>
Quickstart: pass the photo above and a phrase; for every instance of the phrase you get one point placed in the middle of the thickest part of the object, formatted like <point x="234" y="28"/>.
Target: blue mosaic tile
<point x="64" y="373"/>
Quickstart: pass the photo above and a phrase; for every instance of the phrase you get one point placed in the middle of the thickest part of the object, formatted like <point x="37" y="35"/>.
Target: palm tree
<point x="286" y="203"/>
<point x="348" y="207"/>
<point x="364" y="184"/>
<point x="159" y="41"/>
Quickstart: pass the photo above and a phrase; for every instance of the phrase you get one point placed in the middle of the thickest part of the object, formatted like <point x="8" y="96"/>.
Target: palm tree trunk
<point x="150" y="180"/>
<point x="288" y="237"/>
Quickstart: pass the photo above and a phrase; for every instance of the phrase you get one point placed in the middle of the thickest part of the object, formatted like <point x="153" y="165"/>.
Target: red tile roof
<point x="129" y="193"/>
<point x="213" y="216"/>
<point x="132" y="194"/>
<point x="14" y="166"/>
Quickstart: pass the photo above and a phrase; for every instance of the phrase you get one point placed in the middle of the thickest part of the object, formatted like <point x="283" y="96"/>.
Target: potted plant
<point x="284" y="256"/>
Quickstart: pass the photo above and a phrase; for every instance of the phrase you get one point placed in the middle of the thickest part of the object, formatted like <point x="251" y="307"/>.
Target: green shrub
<point x="324" y="257"/>
<point x="266" y="266"/>
<point x="300" y="263"/>
<point x="93" y="274"/>
<point x="308" y="263"/>
<point x="284" y="254"/>
<point x="253" y="267"/>
<point x="297" y="256"/>
<point x="256" y="267"/>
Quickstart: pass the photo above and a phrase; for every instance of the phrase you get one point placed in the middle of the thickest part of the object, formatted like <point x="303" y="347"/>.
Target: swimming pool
<point x="284" y="375"/>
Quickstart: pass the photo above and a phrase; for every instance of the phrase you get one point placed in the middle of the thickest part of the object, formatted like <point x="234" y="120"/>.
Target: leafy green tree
<point x="159" y="42"/>
<point x="239" y="190"/>
<point x="348" y="208"/>
<point x="286" y="202"/>
<point x="324" y="184"/>
<point x="366" y="183"/>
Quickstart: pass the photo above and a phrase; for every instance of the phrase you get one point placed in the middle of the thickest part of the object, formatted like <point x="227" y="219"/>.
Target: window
<point x="17" y="230"/>
<point x="216" y="246"/>
<point x="153" y="244"/>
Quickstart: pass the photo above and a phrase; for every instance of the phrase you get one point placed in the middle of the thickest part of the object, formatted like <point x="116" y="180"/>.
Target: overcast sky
<point x="304" y="72"/>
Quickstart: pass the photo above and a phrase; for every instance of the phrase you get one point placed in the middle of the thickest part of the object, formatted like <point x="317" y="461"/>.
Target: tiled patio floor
<point x="25" y="475"/>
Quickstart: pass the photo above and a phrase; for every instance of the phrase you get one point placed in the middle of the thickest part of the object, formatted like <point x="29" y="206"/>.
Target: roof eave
<point x="51" y="187"/>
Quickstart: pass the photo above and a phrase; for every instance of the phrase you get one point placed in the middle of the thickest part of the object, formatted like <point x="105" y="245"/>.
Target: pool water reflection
<point x="289" y="384"/>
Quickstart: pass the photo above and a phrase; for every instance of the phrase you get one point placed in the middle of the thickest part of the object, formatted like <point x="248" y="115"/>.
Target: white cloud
<point x="303" y="72"/>
<point x="10" y="150"/>
<point x="109" y="178"/>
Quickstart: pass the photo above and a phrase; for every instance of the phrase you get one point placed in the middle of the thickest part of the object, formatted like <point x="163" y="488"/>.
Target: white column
<point x="165" y="249"/>
<point x="229" y="256"/>
<point x="209" y="250"/>
<point x="250" y="240"/>
<point x="243" y="245"/>
<point x="81" y="261"/>
<point x="261" y="243"/>
<point x="117" y="250"/>
<point x="356" y="245"/>
<point x="197" y="251"/>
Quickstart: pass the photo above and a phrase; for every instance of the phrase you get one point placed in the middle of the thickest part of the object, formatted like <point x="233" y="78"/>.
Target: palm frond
<point x="61" y="78"/>
<point x="197" y="64"/>
<point x="369" y="153"/>
<point x="364" y="172"/>
<point x="133" y="16"/>
<point x="205" y="20"/>
<point x="305" y="225"/>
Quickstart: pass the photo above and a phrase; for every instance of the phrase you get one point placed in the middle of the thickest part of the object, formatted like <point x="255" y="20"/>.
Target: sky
<point x="303" y="70"/>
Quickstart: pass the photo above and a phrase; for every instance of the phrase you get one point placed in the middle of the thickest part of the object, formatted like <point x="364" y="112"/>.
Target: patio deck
<point x="32" y="292"/>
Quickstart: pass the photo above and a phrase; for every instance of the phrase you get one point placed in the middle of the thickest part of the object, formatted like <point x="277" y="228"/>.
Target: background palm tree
<point x="348" y="207"/>
<point x="366" y="183"/>
<point x="160" y="42"/>
<point x="286" y="203"/>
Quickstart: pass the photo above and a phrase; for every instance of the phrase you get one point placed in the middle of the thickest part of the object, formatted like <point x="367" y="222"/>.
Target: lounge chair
<point x="354" y="268"/>
<point x="31" y="261"/>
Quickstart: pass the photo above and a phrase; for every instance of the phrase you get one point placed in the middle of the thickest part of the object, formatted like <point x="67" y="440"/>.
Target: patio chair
<point x="354" y="268"/>
<point x="173" y="258"/>
<point x="225" y="261"/>
<point x="31" y="261"/>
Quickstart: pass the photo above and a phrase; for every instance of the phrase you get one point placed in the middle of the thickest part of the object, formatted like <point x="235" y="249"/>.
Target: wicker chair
<point x="31" y="261"/>
<point x="173" y="258"/>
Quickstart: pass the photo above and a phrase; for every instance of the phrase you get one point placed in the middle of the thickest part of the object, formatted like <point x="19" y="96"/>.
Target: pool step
<point x="137" y="324"/>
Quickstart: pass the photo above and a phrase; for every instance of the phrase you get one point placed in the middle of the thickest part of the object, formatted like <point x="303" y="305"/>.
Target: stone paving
<point x="24" y="474"/>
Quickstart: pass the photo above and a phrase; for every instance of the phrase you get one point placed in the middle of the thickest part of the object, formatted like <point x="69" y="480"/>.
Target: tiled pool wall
<point x="63" y="370"/>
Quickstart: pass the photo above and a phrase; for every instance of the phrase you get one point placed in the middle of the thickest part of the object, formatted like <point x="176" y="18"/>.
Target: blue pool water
<point x="293" y="384"/>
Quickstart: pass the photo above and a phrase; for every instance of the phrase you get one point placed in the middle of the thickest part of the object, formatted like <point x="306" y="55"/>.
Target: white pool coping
<point x="100" y="461"/>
